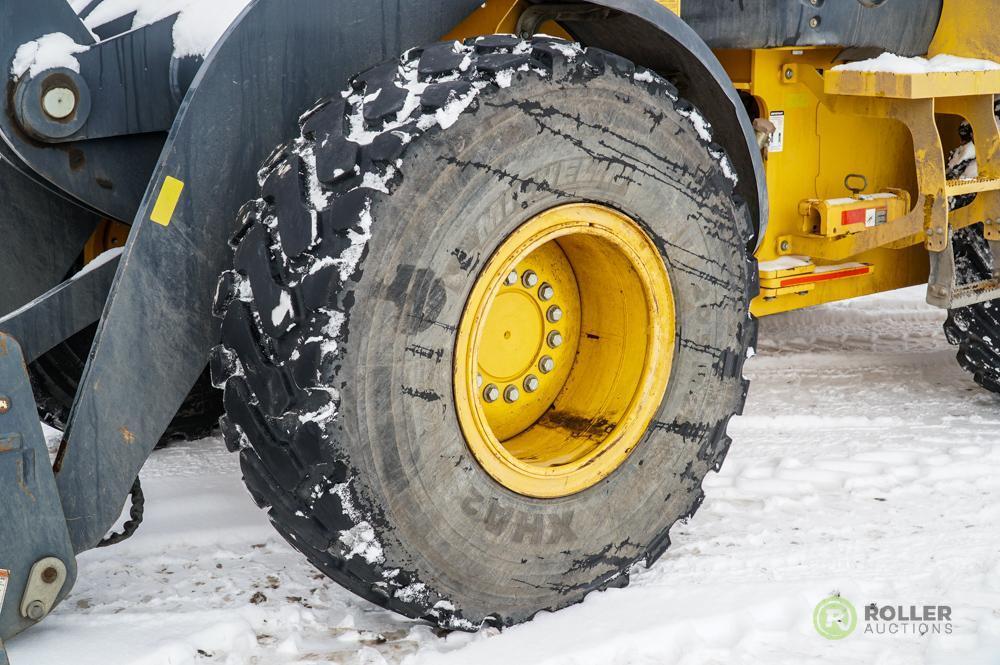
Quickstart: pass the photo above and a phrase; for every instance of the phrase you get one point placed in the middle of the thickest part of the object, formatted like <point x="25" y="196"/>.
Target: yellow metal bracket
<point x="913" y="100"/>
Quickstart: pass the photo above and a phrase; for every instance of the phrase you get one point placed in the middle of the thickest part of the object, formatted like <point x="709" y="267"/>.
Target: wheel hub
<point x="564" y="350"/>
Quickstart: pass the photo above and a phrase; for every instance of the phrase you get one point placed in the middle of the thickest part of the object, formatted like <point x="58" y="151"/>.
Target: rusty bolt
<point x="4" y="404"/>
<point x="49" y="575"/>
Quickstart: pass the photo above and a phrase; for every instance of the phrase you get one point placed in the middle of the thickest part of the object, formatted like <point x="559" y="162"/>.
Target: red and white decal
<point x="868" y="216"/>
<point x="4" y="578"/>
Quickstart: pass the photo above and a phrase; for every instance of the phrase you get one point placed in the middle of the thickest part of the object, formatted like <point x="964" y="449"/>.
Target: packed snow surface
<point x="199" y="26"/>
<point x="867" y="463"/>
<point x="889" y="62"/>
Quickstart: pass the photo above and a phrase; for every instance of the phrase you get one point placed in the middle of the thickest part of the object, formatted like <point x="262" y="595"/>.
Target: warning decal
<point x="777" y="143"/>
<point x="868" y="216"/>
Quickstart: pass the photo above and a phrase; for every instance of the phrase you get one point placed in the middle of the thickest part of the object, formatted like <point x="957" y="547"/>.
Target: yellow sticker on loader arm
<point x="166" y="202"/>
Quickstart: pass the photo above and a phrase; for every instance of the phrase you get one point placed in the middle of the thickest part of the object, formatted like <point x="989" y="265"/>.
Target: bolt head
<point x="35" y="610"/>
<point x="529" y="278"/>
<point x="545" y="291"/>
<point x="511" y="278"/>
<point x="554" y="339"/>
<point x="546" y="364"/>
<point x="491" y="393"/>
<point x="59" y="102"/>
<point x="789" y="74"/>
<point x="814" y="22"/>
<point x="554" y="315"/>
<point x="49" y="575"/>
<point x="784" y="245"/>
<point x="4" y="404"/>
<point x="510" y="394"/>
<point x="531" y="383"/>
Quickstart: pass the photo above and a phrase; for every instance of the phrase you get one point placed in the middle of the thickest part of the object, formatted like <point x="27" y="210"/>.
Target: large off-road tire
<point x="55" y="377"/>
<point x="974" y="329"/>
<point x="351" y="275"/>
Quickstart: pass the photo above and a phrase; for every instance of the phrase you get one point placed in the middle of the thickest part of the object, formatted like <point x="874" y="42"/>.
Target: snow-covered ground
<point x="867" y="464"/>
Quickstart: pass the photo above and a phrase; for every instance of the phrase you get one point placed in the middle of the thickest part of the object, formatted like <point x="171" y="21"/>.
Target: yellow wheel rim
<point x="564" y="350"/>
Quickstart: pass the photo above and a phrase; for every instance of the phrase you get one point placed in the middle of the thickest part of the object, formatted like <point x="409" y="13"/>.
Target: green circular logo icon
<point x="835" y="618"/>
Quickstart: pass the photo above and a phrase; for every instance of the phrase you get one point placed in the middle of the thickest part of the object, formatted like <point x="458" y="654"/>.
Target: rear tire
<point x="975" y="329"/>
<point x="351" y="274"/>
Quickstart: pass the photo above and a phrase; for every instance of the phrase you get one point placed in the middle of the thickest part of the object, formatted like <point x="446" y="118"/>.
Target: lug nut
<point x="554" y="339"/>
<point x="491" y="393"/>
<point x="531" y="383"/>
<point x="511" y="278"/>
<point x="545" y="291"/>
<point x="510" y="394"/>
<point x="546" y="364"/>
<point x="554" y="315"/>
<point x="529" y="278"/>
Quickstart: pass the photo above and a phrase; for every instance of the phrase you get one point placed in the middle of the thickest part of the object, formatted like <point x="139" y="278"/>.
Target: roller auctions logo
<point x="835" y="618"/>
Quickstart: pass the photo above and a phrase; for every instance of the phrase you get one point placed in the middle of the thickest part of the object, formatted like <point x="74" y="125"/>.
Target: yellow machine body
<point x="855" y="161"/>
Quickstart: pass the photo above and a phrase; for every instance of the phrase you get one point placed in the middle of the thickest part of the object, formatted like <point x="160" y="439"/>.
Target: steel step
<point x="972" y="186"/>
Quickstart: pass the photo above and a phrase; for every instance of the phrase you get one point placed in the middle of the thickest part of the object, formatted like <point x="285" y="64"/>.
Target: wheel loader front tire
<point x="393" y="384"/>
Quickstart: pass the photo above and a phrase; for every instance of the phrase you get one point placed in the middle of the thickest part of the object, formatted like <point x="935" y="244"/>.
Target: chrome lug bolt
<point x="529" y="278"/>
<point x="531" y="383"/>
<point x="491" y="393"/>
<point x="554" y="339"/>
<point x="510" y="394"/>
<point x="545" y="291"/>
<point x="554" y="315"/>
<point x="546" y="364"/>
<point x="511" y="278"/>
